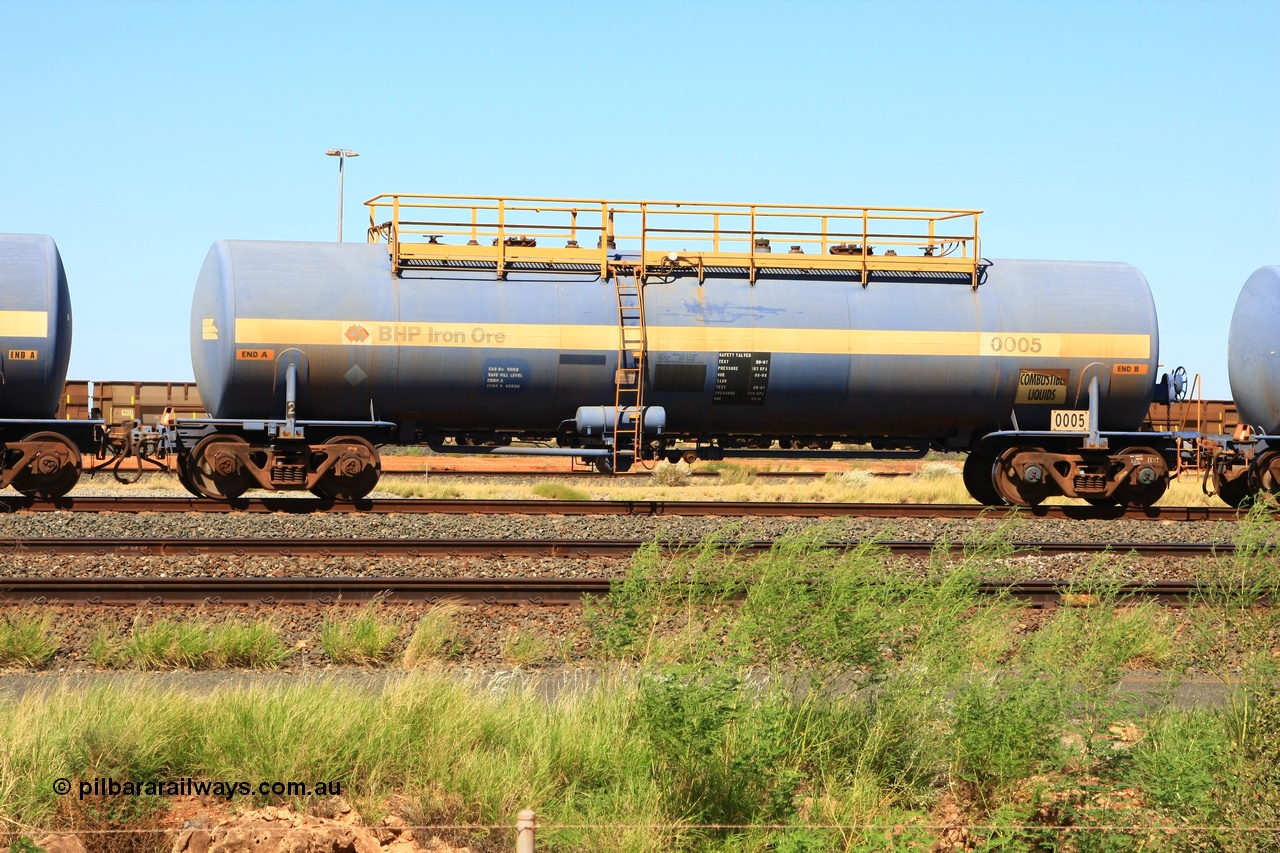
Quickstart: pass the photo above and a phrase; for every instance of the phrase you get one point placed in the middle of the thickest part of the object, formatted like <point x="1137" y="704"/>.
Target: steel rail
<point x="559" y="548"/>
<point x="203" y="590"/>
<point x="622" y="477"/>
<point x="752" y="509"/>
<point x="492" y="591"/>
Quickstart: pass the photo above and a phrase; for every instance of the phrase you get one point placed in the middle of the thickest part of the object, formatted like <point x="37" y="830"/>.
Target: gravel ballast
<point x="81" y="525"/>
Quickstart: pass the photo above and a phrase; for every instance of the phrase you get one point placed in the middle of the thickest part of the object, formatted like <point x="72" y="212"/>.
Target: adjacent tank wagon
<point x="624" y="331"/>
<point x="1250" y="462"/>
<point x="1252" y="363"/>
<point x="40" y="455"/>
<point x="35" y="326"/>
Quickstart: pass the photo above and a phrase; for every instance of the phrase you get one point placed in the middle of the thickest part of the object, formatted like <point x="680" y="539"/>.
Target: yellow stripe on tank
<point x="24" y="324"/>
<point x="251" y="331"/>
<point x="898" y="342"/>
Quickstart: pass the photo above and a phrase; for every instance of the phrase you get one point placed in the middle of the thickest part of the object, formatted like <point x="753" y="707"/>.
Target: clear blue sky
<point x="138" y="133"/>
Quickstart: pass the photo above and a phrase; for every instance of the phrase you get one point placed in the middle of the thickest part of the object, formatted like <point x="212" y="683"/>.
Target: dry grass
<point x="931" y="483"/>
<point x="857" y="482"/>
<point x="436" y="636"/>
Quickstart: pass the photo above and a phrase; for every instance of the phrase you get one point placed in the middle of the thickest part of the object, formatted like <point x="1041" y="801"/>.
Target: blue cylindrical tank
<point x="457" y="351"/>
<point x="35" y="326"/>
<point x="1252" y="364"/>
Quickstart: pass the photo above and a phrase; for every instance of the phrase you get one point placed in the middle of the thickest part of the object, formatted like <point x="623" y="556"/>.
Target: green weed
<point x="825" y="611"/>
<point x="1238" y="593"/>
<point x="659" y="587"/>
<point x="1002" y="730"/>
<point x="731" y="752"/>
<point x="1178" y="761"/>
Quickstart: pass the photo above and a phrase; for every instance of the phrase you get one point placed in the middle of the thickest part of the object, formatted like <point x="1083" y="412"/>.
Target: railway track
<point x="624" y="477"/>
<point x="753" y="509"/>
<point x="400" y="590"/>
<point x="561" y="548"/>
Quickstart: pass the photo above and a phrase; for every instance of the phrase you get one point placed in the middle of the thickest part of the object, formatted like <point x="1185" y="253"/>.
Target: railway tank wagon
<point x="714" y="330"/>
<point x="41" y="456"/>
<point x="1249" y="464"/>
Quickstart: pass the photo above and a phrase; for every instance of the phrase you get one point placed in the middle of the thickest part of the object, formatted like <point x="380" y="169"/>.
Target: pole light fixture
<point x="342" y="154"/>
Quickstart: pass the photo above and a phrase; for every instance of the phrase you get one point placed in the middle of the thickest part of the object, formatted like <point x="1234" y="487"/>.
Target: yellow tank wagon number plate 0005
<point x="1069" y="420"/>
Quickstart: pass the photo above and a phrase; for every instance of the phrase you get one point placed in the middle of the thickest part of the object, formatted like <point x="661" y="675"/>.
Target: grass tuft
<point x="936" y="471"/>
<point x="27" y="640"/>
<point x="736" y="475"/>
<point x="858" y="478"/>
<point x="560" y="492"/>
<point x="167" y="644"/>
<point x="363" y="638"/>
<point x="435" y="637"/>
<point x="104" y="648"/>
<point x="526" y="647"/>
<point x="675" y="475"/>
<point x="253" y="645"/>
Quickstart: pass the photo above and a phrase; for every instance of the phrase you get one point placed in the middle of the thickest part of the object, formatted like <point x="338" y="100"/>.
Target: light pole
<point x="342" y="154"/>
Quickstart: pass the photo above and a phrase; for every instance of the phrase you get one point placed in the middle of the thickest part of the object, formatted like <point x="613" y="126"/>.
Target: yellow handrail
<point x="671" y="235"/>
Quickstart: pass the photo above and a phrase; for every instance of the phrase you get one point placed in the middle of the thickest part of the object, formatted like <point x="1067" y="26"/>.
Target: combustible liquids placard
<point x="1043" y="386"/>
<point x="742" y="378"/>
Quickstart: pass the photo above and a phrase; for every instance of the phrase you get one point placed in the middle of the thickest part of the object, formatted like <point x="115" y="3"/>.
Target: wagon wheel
<point x="1143" y="495"/>
<point x="978" y="481"/>
<point x="354" y="473"/>
<point x="49" y="473"/>
<point x="604" y="464"/>
<point x="184" y="475"/>
<point x="1234" y="491"/>
<point x="1012" y="488"/>
<point x="1264" y="473"/>
<point x="215" y="470"/>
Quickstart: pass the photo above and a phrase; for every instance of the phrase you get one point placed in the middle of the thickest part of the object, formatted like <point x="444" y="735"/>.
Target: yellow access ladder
<point x="628" y="380"/>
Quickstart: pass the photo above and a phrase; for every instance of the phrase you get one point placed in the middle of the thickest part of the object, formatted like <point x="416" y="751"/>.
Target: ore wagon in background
<point x="117" y="402"/>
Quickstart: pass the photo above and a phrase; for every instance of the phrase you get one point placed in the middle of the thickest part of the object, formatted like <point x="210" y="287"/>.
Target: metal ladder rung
<point x="628" y="382"/>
